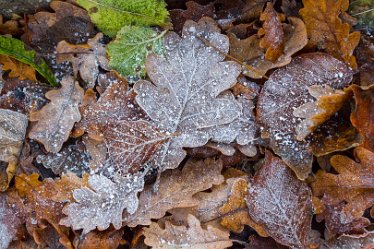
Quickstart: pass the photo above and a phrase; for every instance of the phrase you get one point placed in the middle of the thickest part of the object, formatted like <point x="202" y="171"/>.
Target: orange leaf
<point x="17" y="68"/>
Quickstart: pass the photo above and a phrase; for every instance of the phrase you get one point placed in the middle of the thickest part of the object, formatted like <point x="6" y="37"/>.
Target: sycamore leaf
<point x="127" y="53"/>
<point x="182" y="98"/>
<point x="192" y="236"/>
<point x="281" y="203"/>
<point x="16" y="49"/>
<point x="272" y="30"/>
<point x="350" y="242"/>
<point x="13" y="127"/>
<point x="175" y="190"/>
<point x="86" y="59"/>
<point x="286" y="90"/>
<point x="125" y="12"/>
<point x="57" y="118"/>
<point x="103" y="202"/>
<point x="353" y="184"/>
<point x="17" y="69"/>
<point x="327" y="31"/>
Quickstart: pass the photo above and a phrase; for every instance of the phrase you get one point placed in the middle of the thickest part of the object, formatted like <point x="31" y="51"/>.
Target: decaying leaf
<point x="125" y="12"/>
<point x="350" y="242"/>
<point x="353" y="184"/>
<point x="17" y="69"/>
<point x="327" y="31"/>
<point x="192" y="236"/>
<point x="182" y="100"/>
<point x="13" y="127"/>
<point x="362" y="116"/>
<point x="273" y="40"/>
<point x="127" y="53"/>
<point x="57" y="118"/>
<point x="286" y="90"/>
<point x="9" y="27"/>
<point x="110" y="239"/>
<point x="281" y="203"/>
<point x="249" y="51"/>
<point x="103" y="202"/>
<point x="85" y="58"/>
<point x="175" y="190"/>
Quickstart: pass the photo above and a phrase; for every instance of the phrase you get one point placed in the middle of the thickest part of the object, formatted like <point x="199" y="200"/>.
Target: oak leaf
<point x="17" y="69"/>
<point x="85" y="58"/>
<point x="192" y="236"/>
<point x="287" y="89"/>
<point x="327" y="31"/>
<point x="57" y="118"/>
<point x="350" y="242"/>
<point x="9" y="27"/>
<point x="110" y="239"/>
<point x="353" y="184"/>
<point x="281" y="203"/>
<point x="175" y="190"/>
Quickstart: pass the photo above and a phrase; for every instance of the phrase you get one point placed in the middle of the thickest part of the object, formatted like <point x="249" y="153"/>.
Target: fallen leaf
<point x="110" y="239"/>
<point x="272" y="32"/>
<point x="57" y="118"/>
<point x="287" y="89"/>
<point x="22" y="6"/>
<point x="365" y="60"/>
<point x="11" y="27"/>
<point x="17" y="69"/>
<point x="175" y="190"/>
<point x="353" y="184"/>
<point x="350" y="242"/>
<point x="327" y="31"/>
<point x="257" y="242"/>
<point x="281" y="203"/>
<point x="125" y="12"/>
<point x="13" y="127"/>
<point x="192" y="236"/>
<point x="86" y="58"/>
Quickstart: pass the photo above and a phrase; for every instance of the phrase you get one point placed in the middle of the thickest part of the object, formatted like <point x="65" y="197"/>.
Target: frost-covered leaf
<point x="192" y="236"/>
<point x="182" y="98"/>
<point x="327" y="31"/>
<point x="111" y="15"/>
<point x="13" y="127"/>
<point x="281" y="203"/>
<point x="350" y="242"/>
<point x="103" y="202"/>
<point x="175" y="190"/>
<point x="286" y="90"/>
<point x="56" y="119"/>
<point x="127" y="53"/>
<point x="85" y="58"/>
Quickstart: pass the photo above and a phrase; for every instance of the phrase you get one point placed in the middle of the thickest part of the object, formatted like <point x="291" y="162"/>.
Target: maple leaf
<point x="353" y="184"/>
<point x="350" y="242"/>
<point x="272" y="31"/>
<point x="175" y="190"/>
<point x="129" y="50"/>
<point x="103" y="202"/>
<point x="249" y="51"/>
<point x="281" y="203"/>
<point x="182" y="99"/>
<point x="13" y="127"/>
<point x="86" y="59"/>
<point x="20" y="70"/>
<point x="362" y="116"/>
<point x="125" y="12"/>
<point x="326" y="30"/>
<point x="192" y="236"/>
<point x="291" y="83"/>
<point x="57" y="118"/>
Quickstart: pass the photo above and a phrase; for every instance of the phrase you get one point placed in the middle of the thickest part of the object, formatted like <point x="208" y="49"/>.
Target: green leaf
<point x="129" y="50"/>
<point x="111" y="15"/>
<point x="16" y="49"/>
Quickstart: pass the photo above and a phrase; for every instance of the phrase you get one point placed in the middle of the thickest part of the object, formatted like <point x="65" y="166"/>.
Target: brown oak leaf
<point x="327" y="31"/>
<point x="281" y="203"/>
<point x="287" y="89"/>
<point x="10" y="27"/>
<point x="110" y="239"/>
<point x="17" y="68"/>
<point x="56" y="119"/>
<point x="192" y="236"/>
<point x="350" y="242"/>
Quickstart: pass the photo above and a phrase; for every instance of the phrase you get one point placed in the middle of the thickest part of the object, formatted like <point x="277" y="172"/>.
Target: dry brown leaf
<point x="13" y="127"/>
<point x="353" y="184"/>
<point x="57" y="118"/>
<point x="17" y="68"/>
<point x="85" y="58"/>
<point x="10" y="27"/>
<point x="272" y="32"/>
<point x="192" y="236"/>
<point x="175" y="190"/>
<point x="110" y="239"/>
<point x="350" y="242"/>
<point x="281" y="203"/>
<point x="327" y="31"/>
<point x="286" y="90"/>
